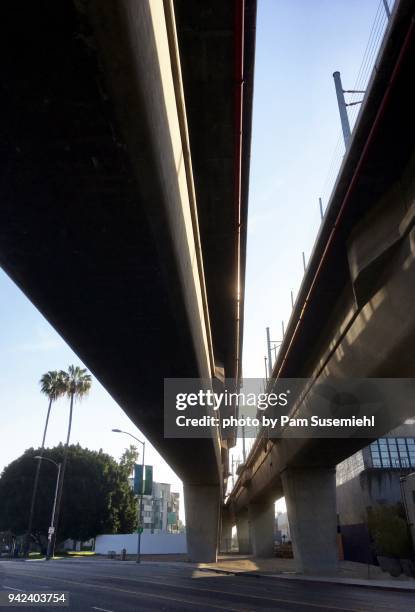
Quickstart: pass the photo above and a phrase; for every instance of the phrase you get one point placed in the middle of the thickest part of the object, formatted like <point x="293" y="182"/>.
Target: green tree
<point x="125" y="513"/>
<point x="53" y="386"/>
<point x="97" y="496"/>
<point x="129" y="459"/>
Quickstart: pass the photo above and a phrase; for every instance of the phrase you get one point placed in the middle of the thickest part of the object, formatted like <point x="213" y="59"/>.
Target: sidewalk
<point x="171" y="558"/>
<point x="350" y="573"/>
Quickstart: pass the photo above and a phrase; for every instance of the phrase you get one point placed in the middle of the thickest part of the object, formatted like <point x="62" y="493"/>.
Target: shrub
<point x="389" y="531"/>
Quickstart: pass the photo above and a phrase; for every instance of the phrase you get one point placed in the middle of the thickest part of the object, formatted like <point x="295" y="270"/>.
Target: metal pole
<point x="283" y="329"/>
<point x="342" y="108"/>
<point x="292" y="300"/>
<point x="266" y="369"/>
<point x="321" y="208"/>
<point x="269" y="354"/>
<point x="304" y="264"/>
<point x="387" y="9"/>
<point x="35" y="486"/>
<point x="52" y="522"/>
<point x="140" y="505"/>
<point x="140" y="512"/>
<point x="233" y="473"/>
<point x="243" y="442"/>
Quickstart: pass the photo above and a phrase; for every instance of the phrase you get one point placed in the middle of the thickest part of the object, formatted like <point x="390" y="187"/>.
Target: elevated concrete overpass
<point x="354" y="316"/>
<point x="125" y="157"/>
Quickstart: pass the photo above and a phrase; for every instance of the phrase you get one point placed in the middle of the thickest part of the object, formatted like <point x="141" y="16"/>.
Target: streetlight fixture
<point x="52" y="522"/>
<point x="140" y="504"/>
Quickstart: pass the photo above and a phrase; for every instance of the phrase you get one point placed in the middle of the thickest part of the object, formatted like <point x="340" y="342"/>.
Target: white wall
<point x="151" y="543"/>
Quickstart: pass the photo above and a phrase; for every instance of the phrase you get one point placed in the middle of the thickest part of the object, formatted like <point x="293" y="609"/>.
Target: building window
<point x="393" y="452"/>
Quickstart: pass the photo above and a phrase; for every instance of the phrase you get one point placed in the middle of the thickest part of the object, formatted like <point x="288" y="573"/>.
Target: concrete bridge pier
<point x="310" y="495"/>
<point x="262" y="528"/>
<point x="202" y="503"/>
<point x="243" y="532"/>
<point x="226" y="525"/>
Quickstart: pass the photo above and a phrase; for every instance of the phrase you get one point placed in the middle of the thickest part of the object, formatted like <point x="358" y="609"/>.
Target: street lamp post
<point x="52" y="522"/>
<point x="140" y="503"/>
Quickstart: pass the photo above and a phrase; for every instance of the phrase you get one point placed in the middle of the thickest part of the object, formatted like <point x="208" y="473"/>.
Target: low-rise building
<point x="369" y="478"/>
<point x="160" y="509"/>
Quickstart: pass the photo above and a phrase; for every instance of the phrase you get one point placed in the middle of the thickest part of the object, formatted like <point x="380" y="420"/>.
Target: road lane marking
<point x="210" y="590"/>
<point x="152" y="580"/>
<point x="11" y="588"/>
<point x="102" y="609"/>
<point x="320" y="606"/>
<point x="150" y="594"/>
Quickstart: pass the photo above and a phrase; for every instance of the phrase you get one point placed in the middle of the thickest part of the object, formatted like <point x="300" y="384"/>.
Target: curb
<point x="230" y="572"/>
<point x="382" y="587"/>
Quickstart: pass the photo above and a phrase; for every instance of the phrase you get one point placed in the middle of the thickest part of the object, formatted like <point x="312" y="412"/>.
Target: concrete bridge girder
<point x="368" y="346"/>
<point x="354" y="317"/>
<point x="369" y="340"/>
<point x="106" y="123"/>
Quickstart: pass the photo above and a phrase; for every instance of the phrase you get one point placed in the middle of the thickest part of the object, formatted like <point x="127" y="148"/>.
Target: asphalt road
<point x="115" y="586"/>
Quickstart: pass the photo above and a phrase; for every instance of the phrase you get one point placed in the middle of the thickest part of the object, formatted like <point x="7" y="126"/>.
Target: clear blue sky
<point x="295" y="130"/>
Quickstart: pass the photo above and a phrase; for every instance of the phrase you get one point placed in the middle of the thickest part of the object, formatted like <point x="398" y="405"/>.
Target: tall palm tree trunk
<point x="51" y="546"/>
<point x="35" y="484"/>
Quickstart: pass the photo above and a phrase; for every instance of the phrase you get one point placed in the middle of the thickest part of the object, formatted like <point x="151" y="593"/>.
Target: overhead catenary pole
<point x="344" y="119"/>
<point x="233" y="472"/>
<point x="275" y="349"/>
<point x="243" y="442"/>
<point x="269" y="354"/>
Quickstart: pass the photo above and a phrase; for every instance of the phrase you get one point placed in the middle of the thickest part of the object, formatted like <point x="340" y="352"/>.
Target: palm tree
<point x="77" y="384"/>
<point x="53" y="386"/>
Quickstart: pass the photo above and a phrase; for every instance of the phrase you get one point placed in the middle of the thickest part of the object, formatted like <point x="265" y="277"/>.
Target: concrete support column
<point x="262" y="528"/>
<point x="225" y="531"/>
<point x="242" y="531"/>
<point x="202" y="521"/>
<point x="310" y="495"/>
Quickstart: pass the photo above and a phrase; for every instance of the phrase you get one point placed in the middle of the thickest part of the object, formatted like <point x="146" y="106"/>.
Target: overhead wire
<point x="377" y="31"/>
